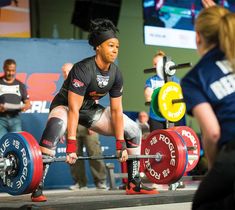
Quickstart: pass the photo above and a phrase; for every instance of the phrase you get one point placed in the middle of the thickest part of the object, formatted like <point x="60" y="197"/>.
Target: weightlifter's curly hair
<point x="100" y="30"/>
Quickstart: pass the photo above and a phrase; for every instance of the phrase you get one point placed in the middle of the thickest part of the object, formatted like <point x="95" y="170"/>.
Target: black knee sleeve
<point x="54" y="130"/>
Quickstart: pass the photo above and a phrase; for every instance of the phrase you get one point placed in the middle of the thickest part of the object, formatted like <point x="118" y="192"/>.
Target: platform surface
<point x="97" y="199"/>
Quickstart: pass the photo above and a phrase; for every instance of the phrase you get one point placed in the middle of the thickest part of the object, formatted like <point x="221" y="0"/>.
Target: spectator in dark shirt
<point x="13" y="99"/>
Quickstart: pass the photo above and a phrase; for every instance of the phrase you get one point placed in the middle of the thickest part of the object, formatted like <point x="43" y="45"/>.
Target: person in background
<point x="142" y="121"/>
<point x="209" y="94"/>
<point x="152" y="83"/>
<point x="13" y="99"/>
<point x="88" y="81"/>
<point x="90" y="140"/>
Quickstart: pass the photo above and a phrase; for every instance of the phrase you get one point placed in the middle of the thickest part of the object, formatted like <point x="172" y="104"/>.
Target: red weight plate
<point x="191" y="140"/>
<point x="142" y="153"/>
<point x="37" y="161"/>
<point x="173" y="152"/>
<point x="15" y="147"/>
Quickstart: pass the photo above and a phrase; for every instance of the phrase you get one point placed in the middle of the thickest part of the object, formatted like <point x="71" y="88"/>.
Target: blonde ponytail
<point x="217" y="26"/>
<point x="227" y="37"/>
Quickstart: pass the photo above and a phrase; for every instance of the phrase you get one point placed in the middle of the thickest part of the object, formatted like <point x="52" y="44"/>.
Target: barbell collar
<point x="2" y="164"/>
<point x="6" y="164"/>
<point x="1" y="161"/>
<point x="192" y="157"/>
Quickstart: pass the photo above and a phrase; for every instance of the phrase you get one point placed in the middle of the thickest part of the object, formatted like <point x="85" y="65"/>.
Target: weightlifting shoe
<point x="136" y="187"/>
<point x="37" y="196"/>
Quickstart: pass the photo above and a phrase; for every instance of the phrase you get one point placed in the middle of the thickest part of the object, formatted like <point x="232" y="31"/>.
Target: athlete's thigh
<point x="104" y="124"/>
<point x="60" y="112"/>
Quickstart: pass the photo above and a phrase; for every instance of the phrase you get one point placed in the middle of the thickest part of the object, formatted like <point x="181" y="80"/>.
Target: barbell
<point x="165" y="156"/>
<point x="168" y="67"/>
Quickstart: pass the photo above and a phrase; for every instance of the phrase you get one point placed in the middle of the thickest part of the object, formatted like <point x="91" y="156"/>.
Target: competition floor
<point x="105" y="199"/>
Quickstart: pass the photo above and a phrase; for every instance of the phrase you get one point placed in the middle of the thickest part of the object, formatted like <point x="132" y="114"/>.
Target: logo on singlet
<point x="102" y="81"/>
<point x="77" y="83"/>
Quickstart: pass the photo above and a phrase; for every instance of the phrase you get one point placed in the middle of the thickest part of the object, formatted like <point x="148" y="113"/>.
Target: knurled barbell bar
<point x="158" y="157"/>
<point x="164" y="159"/>
<point x="6" y="164"/>
<point x="179" y="100"/>
<point x="101" y="157"/>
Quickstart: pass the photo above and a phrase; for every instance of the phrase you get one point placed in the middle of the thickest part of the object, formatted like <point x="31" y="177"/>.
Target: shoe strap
<point x="137" y="183"/>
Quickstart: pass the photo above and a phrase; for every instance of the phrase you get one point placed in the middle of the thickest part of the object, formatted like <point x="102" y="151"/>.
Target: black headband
<point x="97" y="39"/>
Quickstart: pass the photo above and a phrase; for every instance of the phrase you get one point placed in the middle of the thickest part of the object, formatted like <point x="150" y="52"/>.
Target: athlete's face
<point x="10" y="72"/>
<point x="108" y="50"/>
